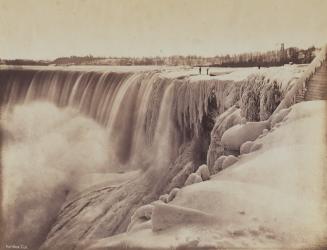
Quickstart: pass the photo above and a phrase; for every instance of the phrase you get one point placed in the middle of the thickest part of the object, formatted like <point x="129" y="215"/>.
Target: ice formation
<point x="254" y="202"/>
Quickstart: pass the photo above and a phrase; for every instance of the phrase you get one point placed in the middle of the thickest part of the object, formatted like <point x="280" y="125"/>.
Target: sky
<point x="47" y="29"/>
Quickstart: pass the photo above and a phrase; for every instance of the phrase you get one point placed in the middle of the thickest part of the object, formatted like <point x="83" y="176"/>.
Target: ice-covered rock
<point x="180" y="178"/>
<point x="226" y="120"/>
<point x="230" y="160"/>
<point x="219" y="164"/>
<point x="144" y="212"/>
<point x="172" y="194"/>
<point x="246" y="147"/>
<point x="203" y="171"/>
<point x="164" y="198"/>
<point x="193" y="178"/>
<point x="234" y="137"/>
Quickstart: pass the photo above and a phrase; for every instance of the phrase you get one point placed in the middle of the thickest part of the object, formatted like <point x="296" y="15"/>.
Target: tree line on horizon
<point x="263" y="59"/>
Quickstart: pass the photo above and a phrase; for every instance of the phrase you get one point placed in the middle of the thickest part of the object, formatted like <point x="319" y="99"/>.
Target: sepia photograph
<point x="163" y="124"/>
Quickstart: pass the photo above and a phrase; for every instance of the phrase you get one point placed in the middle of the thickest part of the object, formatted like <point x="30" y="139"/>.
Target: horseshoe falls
<point x="93" y="157"/>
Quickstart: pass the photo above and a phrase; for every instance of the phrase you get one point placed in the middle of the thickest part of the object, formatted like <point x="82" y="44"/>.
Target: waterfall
<point x="63" y="123"/>
<point x="127" y="104"/>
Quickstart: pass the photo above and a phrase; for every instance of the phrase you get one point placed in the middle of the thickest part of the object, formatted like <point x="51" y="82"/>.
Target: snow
<point x="282" y="74"/>
<point x="273" y="197"/>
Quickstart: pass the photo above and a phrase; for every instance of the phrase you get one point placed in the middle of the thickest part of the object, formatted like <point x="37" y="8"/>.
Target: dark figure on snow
<point x="200" y="70"/>
<point x="207" y="71"/>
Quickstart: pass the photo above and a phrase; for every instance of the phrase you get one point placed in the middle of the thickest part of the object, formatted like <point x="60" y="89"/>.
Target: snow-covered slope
<point x="272" y="197"/>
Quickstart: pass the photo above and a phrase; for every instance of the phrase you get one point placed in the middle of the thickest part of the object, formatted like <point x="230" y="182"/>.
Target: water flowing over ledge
<point x="147" y="121"/>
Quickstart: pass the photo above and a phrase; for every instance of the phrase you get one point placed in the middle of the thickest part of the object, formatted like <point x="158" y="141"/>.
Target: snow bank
<point x="272" y="198"/>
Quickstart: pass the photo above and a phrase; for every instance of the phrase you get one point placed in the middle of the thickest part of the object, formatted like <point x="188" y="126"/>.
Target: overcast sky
<point x="46" y="29"/>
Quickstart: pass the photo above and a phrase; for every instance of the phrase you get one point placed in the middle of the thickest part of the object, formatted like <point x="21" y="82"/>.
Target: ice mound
<point x="193" y="178"/>
<point x="246" y="147"/>
<point x="164" y="198"/>
<point x="219" y="164"/>
<point x="230" y="160"/>
<point x="203" y="171"/>
<point x="234" y="137"/>
<point x="180" y="178"/>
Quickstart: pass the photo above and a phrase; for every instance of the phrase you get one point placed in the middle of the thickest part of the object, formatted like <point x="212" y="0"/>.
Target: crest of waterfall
<point x="127" y="104"/>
